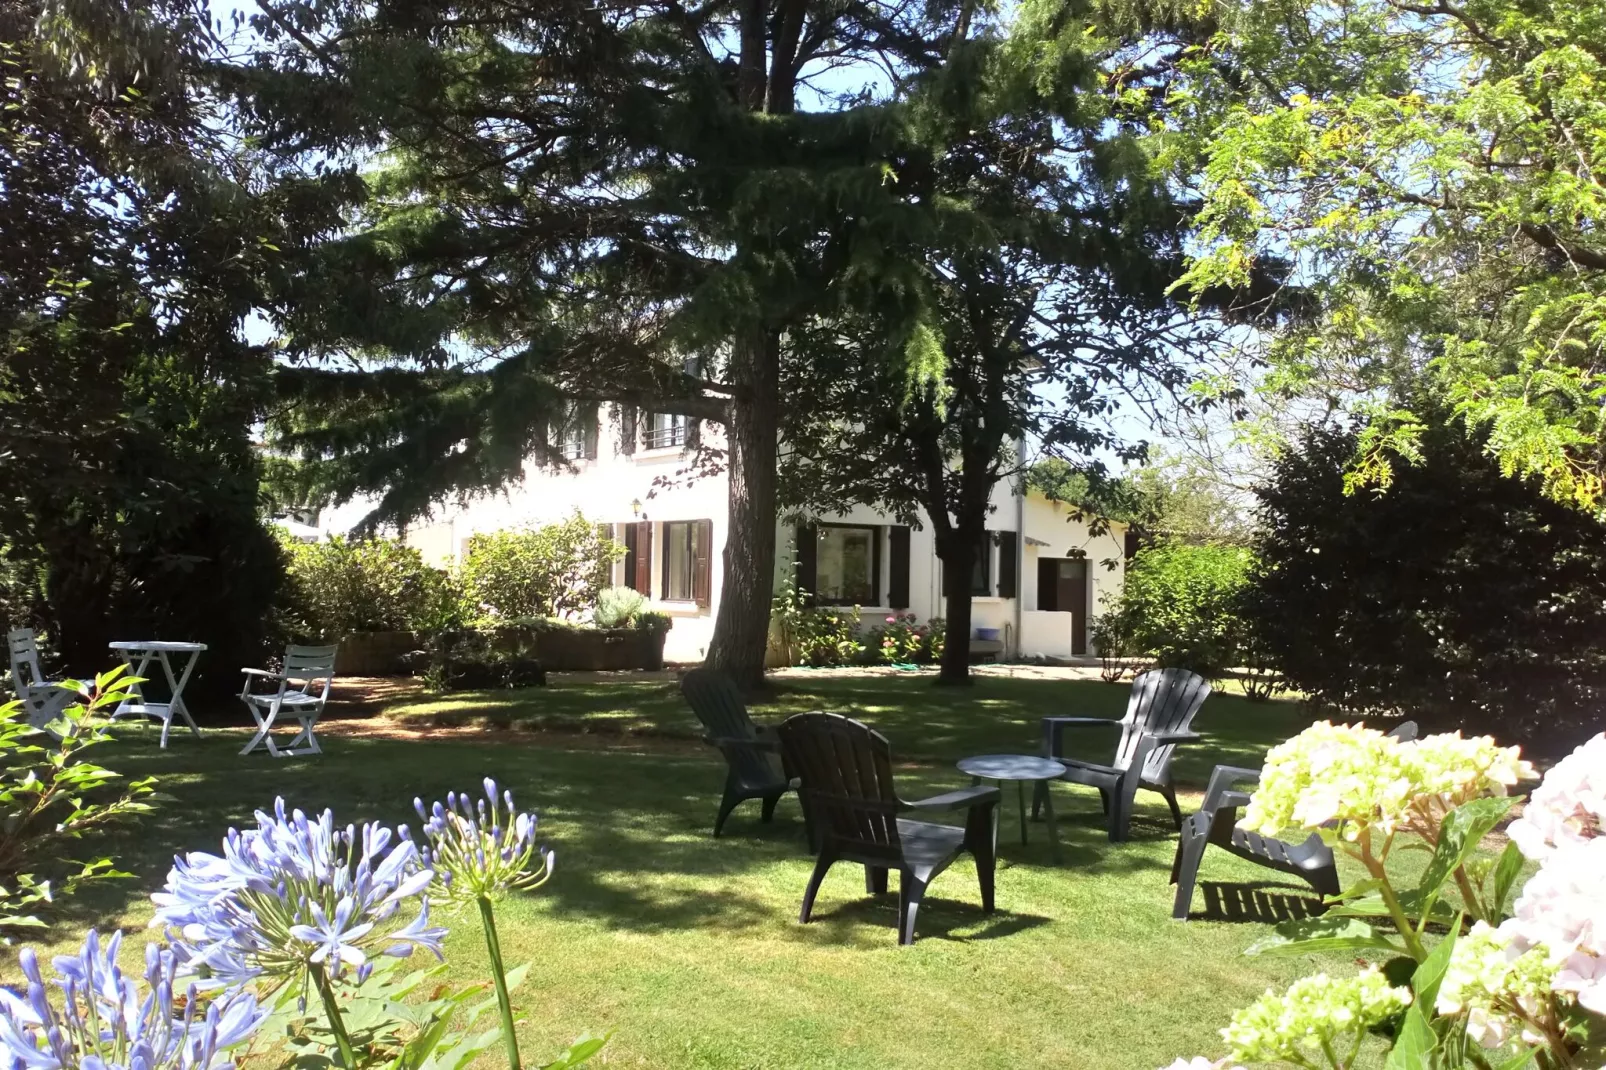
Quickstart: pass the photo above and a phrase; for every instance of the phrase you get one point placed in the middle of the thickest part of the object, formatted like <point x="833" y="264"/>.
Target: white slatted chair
<point x="43" y="699"/>
<point x="302" y="689"/>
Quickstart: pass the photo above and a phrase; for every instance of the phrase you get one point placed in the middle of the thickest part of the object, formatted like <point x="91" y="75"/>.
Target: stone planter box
<point x="584" y="649"/>
<point x="375" y="653"/>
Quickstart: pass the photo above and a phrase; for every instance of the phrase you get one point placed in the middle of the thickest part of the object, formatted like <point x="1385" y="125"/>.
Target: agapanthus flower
<point x="1355" y="778"/>
<point x="483" y="847"/>
<point x="296" y="893"/>
<point x="1569" y="805"/>
<point x="1314" y="1012"/>
<point x="108" y="1020"/>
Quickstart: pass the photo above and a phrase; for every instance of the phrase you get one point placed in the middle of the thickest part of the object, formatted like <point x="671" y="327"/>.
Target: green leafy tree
<point x="1437" y="169"/>
<point x="1460" y="596"/>
<point x="1179" y="605"/>
<point x="127" y="394"/>
<point x="555" y="570"/>
<point x="573" y="200"/>
<point x="1036" y="294"/>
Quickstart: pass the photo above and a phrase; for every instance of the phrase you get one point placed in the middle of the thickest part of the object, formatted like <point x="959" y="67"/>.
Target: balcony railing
<point x="669" y="435"/>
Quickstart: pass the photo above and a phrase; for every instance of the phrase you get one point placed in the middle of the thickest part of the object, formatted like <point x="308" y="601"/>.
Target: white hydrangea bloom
<point x="1569" y="807"/>
<point x="1490" y="974"/>
<point x="1562" y="909"/>
<point x="1313" y="1012"/>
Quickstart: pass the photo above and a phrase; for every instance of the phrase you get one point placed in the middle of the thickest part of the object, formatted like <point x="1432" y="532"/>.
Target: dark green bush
<point x="1458" y="595"/>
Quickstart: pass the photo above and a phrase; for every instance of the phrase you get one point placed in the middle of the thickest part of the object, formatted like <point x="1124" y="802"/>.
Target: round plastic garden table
<point x="1022" y="769"/>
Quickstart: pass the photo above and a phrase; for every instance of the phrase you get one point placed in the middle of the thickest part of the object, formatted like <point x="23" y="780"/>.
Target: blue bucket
<point x="989" y="635"/>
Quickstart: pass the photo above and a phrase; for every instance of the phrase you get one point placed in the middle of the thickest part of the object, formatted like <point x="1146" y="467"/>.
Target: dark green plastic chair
<point x="752" y="752"/>
<point x="1216" y="824"/>
<point x="1159" y="715"/>
<point x="845" y="782"/>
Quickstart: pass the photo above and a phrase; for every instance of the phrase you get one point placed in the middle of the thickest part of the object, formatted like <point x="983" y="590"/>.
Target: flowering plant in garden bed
<point x="1514" y="988"/>
<point x="310" y="919"/>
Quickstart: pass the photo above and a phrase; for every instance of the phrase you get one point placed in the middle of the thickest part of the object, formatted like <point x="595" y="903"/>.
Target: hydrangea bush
<point x="294" y="908"/>
<point x="1523" y="985"/>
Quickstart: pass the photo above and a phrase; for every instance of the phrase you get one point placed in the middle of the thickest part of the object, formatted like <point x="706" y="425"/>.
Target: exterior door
<point x="1062" y="588"/>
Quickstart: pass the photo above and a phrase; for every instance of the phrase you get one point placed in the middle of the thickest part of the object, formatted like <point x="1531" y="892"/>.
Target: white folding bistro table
<point x="138" y="657"/>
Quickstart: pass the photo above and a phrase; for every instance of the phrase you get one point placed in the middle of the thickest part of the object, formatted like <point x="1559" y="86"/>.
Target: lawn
<point x="688" y="948"/>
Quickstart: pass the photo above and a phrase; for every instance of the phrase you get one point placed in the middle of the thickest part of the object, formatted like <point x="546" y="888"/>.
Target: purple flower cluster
<point x="296" y="893"/>
<point x="111" y="1021"/>
<point x="483" y="848"/>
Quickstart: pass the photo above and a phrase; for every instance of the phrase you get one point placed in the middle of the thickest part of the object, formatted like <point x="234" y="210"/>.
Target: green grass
<point x="688" y="948"/>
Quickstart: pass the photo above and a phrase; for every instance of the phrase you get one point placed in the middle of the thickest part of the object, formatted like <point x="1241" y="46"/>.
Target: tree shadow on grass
<point x="631" y="824"/>
<point x="1260" y="903"/>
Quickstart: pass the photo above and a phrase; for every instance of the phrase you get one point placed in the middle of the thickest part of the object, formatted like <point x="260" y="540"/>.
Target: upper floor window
<point x="576" y="437"/>
<point x="665" y="429"/>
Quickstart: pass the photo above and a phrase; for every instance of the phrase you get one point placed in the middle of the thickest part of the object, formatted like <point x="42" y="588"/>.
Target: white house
<point x="1041" y="579"/>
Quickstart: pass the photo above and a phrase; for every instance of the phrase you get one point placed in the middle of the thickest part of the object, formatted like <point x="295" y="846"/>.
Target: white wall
<point x="657" y="486"/>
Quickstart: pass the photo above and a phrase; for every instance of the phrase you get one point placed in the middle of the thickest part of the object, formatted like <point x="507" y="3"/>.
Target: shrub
<point x="557" y="570"/>
<point x="1459" y="594"/>
<point x="345" y="586"/>
<point x="619" y="607"/>
<point x="900" y="641"/>
<point x="50" y="796"/>
<point x="1112" y="636"/>
<point x="829" y="636"/>
<point x="1179" y="606"/>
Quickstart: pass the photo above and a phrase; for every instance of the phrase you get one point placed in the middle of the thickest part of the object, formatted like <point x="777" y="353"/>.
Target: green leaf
<point x="1505" y="877"/>
<point x="1414" y="1047"/>
<point x="579" y="1052"/>
<point x="1425" y="982"/>
<point x="1322" y="934"/>
<point x="1459" y="836"/>
<point x="1516" y="1062"/>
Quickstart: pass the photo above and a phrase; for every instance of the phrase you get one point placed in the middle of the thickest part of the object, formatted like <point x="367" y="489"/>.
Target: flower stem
<point x="499" y="977"/>
<point x="1413" y="943"/>
<point x="337" y="1024"/>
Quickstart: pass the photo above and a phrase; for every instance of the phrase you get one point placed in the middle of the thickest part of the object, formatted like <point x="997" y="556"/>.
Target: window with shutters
<point x="686" y="572"/>
<point x="847" y="565"/>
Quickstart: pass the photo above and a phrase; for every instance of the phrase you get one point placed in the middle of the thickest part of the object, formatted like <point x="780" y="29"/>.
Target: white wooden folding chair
<point x="43" y="699"/>
<point x="301" y="692"/>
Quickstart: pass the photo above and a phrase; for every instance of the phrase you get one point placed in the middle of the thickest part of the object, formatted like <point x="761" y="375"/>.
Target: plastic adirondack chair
<point x="43" y="699"/>
<point x="301" y="688"/>
<point x="752" y="751"/>
<point x="1217" y="823"/>
<point x="1158" y="717"/>
<point x="845" y="781"/>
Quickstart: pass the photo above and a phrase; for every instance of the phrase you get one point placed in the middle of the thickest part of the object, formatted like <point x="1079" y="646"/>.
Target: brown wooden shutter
<point x="1008" y="573"/>
<point x="702" y="565"/>
<point x="643" y="557"/>
<point x="807" y="545"/>
<point x="694" y="433"/>
<point x="630" y="555"/>
<point x="898" y="566"/>
<point x="627" y="429"/>
<point x="591" y="415"/>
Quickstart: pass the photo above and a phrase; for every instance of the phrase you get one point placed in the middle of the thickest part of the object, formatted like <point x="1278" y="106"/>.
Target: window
<point x="847" y="566"/>
<point x="686" y="561"/>
<point x="665" y="429"/>
<point x="981" y="579"/>
<point x="576" y="438"/>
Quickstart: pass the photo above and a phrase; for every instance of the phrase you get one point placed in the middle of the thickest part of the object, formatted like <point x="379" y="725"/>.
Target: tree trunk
<point x="741" y="628"/>
<point x="958" y="571"/>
